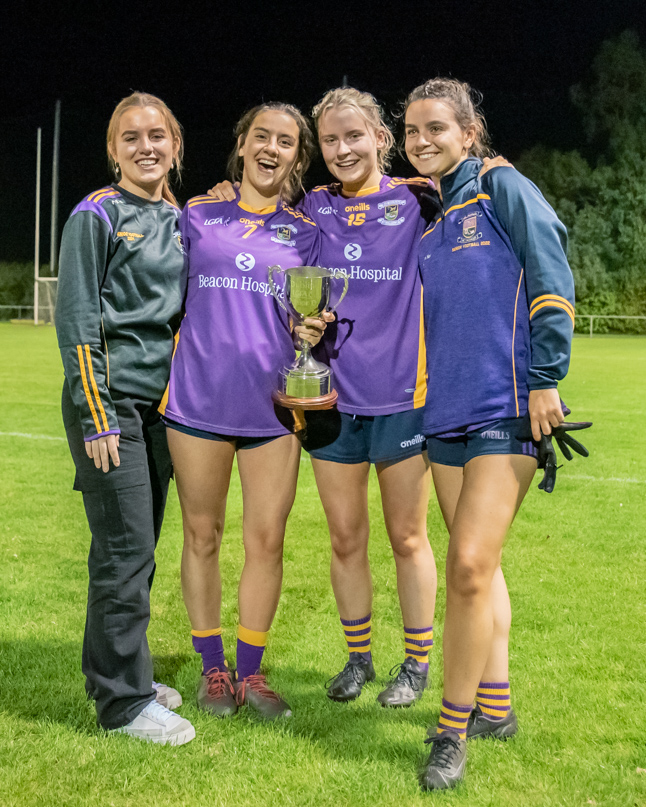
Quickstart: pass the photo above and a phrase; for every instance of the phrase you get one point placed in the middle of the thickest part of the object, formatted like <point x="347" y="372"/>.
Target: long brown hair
<point x="294" y="182"/>
<point x="465" y="102"/>
<point x="142" y="99"/>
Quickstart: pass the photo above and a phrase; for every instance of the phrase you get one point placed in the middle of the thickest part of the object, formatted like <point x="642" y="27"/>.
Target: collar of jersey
<point x="259" y="210"/>
<point x="363" y="192"/>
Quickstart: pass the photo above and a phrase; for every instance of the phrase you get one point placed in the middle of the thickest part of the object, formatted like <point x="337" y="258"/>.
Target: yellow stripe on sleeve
<point x="555" y="297"/>
<point x="553" y="304"/>
<point x="86" y="389"/>
<point x="95" y="390"/>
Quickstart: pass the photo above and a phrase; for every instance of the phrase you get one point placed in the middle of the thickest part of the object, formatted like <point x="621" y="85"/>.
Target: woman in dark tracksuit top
<point x="119" y="307"/>
<point x="499" y="316"/>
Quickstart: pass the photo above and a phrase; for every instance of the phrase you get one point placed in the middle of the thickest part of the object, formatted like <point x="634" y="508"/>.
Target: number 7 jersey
<point x="376" y="346"/>
<point x="234" y="338"/>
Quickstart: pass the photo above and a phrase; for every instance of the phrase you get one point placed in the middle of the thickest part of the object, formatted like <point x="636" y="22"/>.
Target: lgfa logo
<point x="245" y="261"/>
<point x="352" y="252"/>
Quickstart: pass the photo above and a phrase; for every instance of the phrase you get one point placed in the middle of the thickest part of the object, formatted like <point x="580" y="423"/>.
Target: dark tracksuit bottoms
<point x="124" y="508"/>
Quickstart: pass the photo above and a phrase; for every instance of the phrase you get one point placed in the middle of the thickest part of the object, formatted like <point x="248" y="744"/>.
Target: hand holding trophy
<point x="308" y="292"/>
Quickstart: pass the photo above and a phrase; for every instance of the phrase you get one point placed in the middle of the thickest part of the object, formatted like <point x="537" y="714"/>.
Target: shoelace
<point x="256" y="683"/>
<point x="405" y="673"/>
<point x="445" y="746"/>
<point x="350" y="667"/>
<point x="156" y="711"/>
<point x="218" y="682"/>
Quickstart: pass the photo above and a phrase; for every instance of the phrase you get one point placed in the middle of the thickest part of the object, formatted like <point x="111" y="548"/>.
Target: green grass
<point x="576" y="568"/>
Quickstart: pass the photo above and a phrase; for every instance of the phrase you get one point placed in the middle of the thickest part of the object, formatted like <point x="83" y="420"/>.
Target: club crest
<point x="470" y="228"/>
<point x="284" y="234"/>
<point x="391" y="212"/>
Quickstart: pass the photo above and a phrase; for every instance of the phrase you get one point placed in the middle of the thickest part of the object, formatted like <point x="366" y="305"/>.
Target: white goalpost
<point x="45" y="287"/>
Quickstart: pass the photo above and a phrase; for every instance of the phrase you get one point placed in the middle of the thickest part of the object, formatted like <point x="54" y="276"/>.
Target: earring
<point x="172" y="165"/>
<point x="117" y="169"/>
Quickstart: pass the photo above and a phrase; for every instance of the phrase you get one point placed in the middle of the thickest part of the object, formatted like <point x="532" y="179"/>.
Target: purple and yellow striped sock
<point x="418" y="642"/>
<point x="493" y="699"/>
<point x="358" y="634"/>
<point x="208" y="643"/>
<point x="454" y="717"/>
<point x="251" y="646"/>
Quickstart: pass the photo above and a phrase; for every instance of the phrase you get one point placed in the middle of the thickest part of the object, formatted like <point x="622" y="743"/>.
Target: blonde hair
<point x="294" y="182"/>
<point x="465" y="102"/>
<point x="142" y="99"/>
<point x="366" y="105"/>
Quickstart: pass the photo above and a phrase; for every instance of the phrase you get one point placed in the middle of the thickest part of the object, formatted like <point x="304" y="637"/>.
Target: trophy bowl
<point x="308" y="291"/>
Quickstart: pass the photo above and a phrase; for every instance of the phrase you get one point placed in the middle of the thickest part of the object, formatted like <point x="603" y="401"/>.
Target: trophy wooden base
<point x="299" y="405"/>
<point x="320" y="402"/>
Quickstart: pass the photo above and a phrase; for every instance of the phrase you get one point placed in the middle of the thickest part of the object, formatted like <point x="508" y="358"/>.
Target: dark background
<point x="212" y="60"/>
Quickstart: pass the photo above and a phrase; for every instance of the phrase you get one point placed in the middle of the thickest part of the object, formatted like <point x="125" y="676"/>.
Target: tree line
<point x="599" y="192"/>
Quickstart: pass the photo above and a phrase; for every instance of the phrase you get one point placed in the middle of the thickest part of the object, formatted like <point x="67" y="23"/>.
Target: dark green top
<point x="120" y="292"/>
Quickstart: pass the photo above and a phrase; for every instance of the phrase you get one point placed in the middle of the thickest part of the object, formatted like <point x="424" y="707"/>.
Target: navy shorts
<point x="372" y="438"/>
<point x="240" y="442"/>
<point x="507" y="436"/>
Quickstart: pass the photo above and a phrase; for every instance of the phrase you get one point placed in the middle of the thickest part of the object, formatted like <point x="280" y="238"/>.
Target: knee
<point x="203" y="537"/>
<point x="409" y="545"/>
<point x="468" y="574"/>
<point x="349" y="545"/>
<point x="265" y="546"/>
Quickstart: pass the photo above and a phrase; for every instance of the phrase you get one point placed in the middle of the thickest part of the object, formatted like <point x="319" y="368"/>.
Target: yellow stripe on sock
<point x="203" y="633"/>
<point x="363" y="649"/>
<point x="362" y="626"/>
<point x="452" y="724"/>
<point x="491" y="702"/>
<point x="461" y="734"/>
<point x="257" y="638"/>
<point x="454" y="713"/>
<point x="422" y="637"/>
<point x="505" y="691"/>
<point x="494" y="712"/>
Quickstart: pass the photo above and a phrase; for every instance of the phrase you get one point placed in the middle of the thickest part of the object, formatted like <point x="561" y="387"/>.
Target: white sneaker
<point x="167" y="696"/>
<point x="157" y="724"/>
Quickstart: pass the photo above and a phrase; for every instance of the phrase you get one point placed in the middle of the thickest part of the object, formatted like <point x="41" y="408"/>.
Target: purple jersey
<point x="235" y="337"/>
<point x="376" y="346"/>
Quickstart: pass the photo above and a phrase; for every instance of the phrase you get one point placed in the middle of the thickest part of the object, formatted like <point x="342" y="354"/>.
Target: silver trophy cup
<point x="308" y="292"/>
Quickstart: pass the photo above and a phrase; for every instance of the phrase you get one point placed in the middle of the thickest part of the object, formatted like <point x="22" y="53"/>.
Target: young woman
<point x="119" y="302"/>
<point x="370" y="226"/>
<point x="498" y="307"/>
<point x="233" y="341"/>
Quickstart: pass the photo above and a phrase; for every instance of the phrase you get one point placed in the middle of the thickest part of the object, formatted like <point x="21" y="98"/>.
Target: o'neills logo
<point x="419" y="438"/>
<point x="356" y="208"/>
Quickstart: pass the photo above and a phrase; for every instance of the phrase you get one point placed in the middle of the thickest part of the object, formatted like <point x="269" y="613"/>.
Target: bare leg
<point x="492" y="490"/>
<point x="268" y="475"/>
<point x="344" y="494"/>
<point x="405" y="488"/>
<point x="202" y="472"/>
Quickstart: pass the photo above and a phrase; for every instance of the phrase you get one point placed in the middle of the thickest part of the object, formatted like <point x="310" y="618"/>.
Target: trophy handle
<point x="333" y="308"/>
<point x="272" y="285"/>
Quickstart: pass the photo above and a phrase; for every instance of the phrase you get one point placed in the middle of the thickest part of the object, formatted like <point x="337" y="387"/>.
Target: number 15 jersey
<point x="376" y="346"/>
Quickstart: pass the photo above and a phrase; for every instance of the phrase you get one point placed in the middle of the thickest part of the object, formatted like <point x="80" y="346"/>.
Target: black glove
<point x="547" y="453"/>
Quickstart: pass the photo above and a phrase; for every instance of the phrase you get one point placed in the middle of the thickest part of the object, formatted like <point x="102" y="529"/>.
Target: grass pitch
<point x="575" y="565"/>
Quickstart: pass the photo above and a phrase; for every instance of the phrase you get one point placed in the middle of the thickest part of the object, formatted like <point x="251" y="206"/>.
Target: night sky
<point x="212" y="60"/>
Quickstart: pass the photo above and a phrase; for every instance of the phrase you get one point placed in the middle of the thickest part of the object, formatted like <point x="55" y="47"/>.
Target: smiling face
<point x="349" y="146"/>
<point x="269" y="153"/>
<point x="435" y="142"/>
<point x="144" y="149"/>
